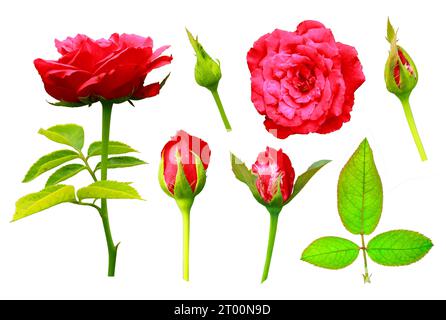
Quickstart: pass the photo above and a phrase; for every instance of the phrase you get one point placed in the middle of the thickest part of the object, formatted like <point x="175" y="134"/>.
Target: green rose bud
<point x="401" y="74"/>
<point x="207" y="70"/>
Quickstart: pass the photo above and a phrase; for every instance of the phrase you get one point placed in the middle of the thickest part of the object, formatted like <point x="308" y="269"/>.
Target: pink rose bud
<point x="185" y="159"/>
<point x="401" y="74"/>
<point x="273" y="169"/>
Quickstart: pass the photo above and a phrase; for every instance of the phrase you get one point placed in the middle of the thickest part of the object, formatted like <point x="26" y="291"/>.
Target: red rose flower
<point x="271" y="166"/>
<point x="186" y="147"/>
<point x="92" y="70"/>
<point x="303" y="81"/>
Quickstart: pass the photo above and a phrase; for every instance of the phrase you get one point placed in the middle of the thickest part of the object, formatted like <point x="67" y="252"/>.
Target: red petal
<point x="148" y="91"/>
<point x="61" y="81"/>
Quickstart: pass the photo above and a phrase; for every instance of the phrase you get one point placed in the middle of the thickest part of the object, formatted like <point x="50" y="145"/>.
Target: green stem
<point x="274" y="219"/>
<point x="185" y="207"/>
<point x="413" y="128"/>
<point x="87" y="165"/>
<point x="366" y="274"/>
<point x="221" y="110"/>
<point x="88" y="205"/>
<point x="112" y="248"/>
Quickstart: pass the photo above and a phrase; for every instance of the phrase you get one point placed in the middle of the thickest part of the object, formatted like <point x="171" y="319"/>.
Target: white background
<point x="61" y="253"/>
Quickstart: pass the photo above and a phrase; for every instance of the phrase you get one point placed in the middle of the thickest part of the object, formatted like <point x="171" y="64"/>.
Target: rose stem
<point x="185" y="207"/>
<point x="274" y="219"/>
<point x="413" y="128"/>
<point x="366" y="275"/>
<point x="221" y="110"/>
<point x="112" y="249"/>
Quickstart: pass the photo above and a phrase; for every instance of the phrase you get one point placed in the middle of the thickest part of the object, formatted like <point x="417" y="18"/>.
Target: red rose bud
<point x="401" y="73"/>
<point x="271" y="182"/>
<point x="185" y="159"/>
<point x="182" y="176"/>
<point x="111" y="69"/>
<point x="275" y="177"/>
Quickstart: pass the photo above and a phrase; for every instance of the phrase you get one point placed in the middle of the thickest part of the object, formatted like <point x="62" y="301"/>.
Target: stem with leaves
<point x="56" y="192"/>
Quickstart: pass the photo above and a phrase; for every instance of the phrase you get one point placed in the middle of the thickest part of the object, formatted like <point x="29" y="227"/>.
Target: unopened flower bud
<point x="185" y="159"/>
<point x="401" y="74"/>
<point x="207" y="70"/>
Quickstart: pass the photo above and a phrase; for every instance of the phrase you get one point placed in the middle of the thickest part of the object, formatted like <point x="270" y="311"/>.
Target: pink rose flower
<point x="303" y="81"/>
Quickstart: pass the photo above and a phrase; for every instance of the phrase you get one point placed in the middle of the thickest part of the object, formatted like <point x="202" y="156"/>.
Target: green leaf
<point x="114" y="147"/>
<point x="121" y="162"/>
<point x="360" y="192"/>
<point x="108" y="190"/>
<point x="243" y="174"/>
<point x="64" y="173"/>
<point x="398" y="248"/>
<point x="331" y="253"/>
<point x="39" y="201"/>
<point x="49" y="162"/>
<point x="70" y="134"/>
<point x="304" y="178"/>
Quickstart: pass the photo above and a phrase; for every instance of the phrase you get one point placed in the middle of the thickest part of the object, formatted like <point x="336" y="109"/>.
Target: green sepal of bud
<point x="276" y="204"/>
<point x="161" y="179"/>
<point x="182" y="188"/>
<point x="201" y="175"/>
<point x="207" y="70"/>
<point x="391" y="33"/>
